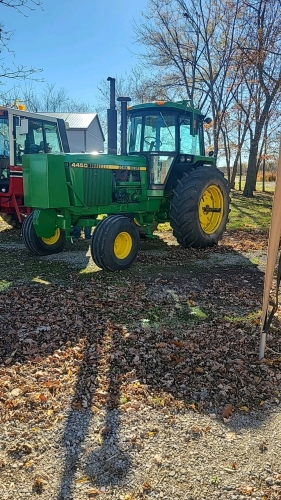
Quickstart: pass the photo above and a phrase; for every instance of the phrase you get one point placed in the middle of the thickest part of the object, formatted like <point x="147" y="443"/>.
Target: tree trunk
<point x="252" y="170"/>
<point x="251" y="178"/>
<point x="234" y="172"/>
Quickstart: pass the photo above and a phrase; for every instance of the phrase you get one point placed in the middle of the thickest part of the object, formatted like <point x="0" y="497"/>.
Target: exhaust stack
<point x="112" y="120"/>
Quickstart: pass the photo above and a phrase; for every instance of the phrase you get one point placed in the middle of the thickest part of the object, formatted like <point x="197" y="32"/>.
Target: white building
<point x="84" y="131"/>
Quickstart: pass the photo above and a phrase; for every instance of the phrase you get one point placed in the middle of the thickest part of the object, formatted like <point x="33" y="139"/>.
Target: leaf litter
<point x="133" y="345"/>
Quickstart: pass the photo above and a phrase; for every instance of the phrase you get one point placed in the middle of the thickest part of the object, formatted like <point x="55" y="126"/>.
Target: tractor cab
<point x="22" y="133"/>
<point x="169" y="135"/>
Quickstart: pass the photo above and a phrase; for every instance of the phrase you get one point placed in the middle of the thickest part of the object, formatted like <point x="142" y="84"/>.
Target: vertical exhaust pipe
<point x="124" y="101"/>
<point x="112" y="120"/>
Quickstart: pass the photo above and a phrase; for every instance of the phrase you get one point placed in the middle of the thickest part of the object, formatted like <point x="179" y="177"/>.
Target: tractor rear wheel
<point x="41" y="246"/>
<point x="115" y="243"/>
<point x="200" y="208"/>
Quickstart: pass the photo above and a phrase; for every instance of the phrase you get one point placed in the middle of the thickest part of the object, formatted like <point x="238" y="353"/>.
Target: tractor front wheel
<point x="115" y="243"/>
<point x="41" y="246"/>
<point x="200" y="208"/>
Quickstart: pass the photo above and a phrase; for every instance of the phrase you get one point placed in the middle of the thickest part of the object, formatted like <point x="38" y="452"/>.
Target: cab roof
<point x="178" y="105"/>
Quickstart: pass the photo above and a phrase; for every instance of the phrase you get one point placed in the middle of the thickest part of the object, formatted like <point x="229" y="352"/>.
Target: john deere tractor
<point x="162" y="174"/>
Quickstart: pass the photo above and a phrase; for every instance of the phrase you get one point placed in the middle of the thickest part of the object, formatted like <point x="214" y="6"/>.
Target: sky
<point x="77" y="43"/>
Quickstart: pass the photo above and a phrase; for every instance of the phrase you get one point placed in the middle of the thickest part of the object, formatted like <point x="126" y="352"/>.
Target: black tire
<point x="37" y="245"/>
<point x="12" y="220"/>
<point x="202" y="189"/>
<point x="104" y="247"/>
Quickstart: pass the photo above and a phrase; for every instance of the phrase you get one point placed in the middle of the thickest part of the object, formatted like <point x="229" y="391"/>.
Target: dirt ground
<point x="140" y="384"/>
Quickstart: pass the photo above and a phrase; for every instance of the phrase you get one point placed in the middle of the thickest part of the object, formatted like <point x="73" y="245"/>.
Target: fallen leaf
<point x="151" y="433"/>
<point x="178" y="343"/>
<point x="196" y="431"/>
<point x="192" y="407"/>
<point x="244" y="408"/>
<point x="146" y="485"/>
<point x="263" y="446"/>
<point x="246" y="490"/>
<point x="94" y="492"/>
<point x="29" y="464"/>
<point x="227" y="411"/>
<point x="82" y="480"/>
<point x="38" y="485"/>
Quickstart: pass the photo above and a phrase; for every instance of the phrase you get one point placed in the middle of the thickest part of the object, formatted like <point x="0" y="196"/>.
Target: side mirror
<point x="208" y="120"/>
<point x="23" y="126"/>
<point x="211" y="153"/>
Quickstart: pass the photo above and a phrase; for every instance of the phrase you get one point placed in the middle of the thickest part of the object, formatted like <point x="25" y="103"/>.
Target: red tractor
<point x="21" y="133"/>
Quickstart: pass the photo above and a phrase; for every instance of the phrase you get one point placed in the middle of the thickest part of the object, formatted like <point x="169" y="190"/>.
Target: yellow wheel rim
<point x="122" y="245"/>
<point x="211" y="208"/>
<point x="53" y="239"/>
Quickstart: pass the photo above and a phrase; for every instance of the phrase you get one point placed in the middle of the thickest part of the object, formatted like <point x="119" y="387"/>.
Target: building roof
<point x="78" y="121"/>
<point x="75" y="120"/>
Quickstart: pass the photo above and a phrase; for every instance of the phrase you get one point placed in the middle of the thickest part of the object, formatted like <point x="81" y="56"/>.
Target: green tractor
<point x="162" y="175"/>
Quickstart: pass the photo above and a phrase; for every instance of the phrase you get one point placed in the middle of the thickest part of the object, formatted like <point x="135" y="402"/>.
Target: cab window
<point x="42" y="137"/>
<point x="4" y="154"/>
<point x="159" y="133"/>
<point x="4" y="138"/>
<point x="52" y="139"/>
<point x="135" y="134"/>
<point x="160" y="166"/>
<point x="189" y="144"/>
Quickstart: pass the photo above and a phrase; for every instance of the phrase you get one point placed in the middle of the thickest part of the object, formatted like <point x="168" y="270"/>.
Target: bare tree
<point x="224" y="57"/>
<point x="20" y="4"/>
<point x="260" y="50"/>
<point x="15" y="71"/>
<point x="48" y="100"/>
<point x="193" y="44"/>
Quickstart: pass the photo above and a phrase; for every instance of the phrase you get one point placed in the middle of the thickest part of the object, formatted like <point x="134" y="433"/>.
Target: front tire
<point x="200" y="208"/>
<point x="115" y="243"/>
<point x="41" y="246"/>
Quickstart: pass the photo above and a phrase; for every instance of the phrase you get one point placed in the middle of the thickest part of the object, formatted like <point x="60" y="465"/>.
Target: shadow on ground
<point x="180" y="330"/>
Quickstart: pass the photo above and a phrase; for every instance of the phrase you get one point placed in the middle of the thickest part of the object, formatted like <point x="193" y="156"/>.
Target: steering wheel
<point x="152" y="139"/>
<point x="20" y="149"/>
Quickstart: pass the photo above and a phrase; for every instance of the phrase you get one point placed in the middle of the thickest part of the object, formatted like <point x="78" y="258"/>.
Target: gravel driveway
<point x="96" y="403"/>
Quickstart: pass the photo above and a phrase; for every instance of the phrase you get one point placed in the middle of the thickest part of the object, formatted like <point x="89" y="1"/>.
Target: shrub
<point x="268" y="176"/>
